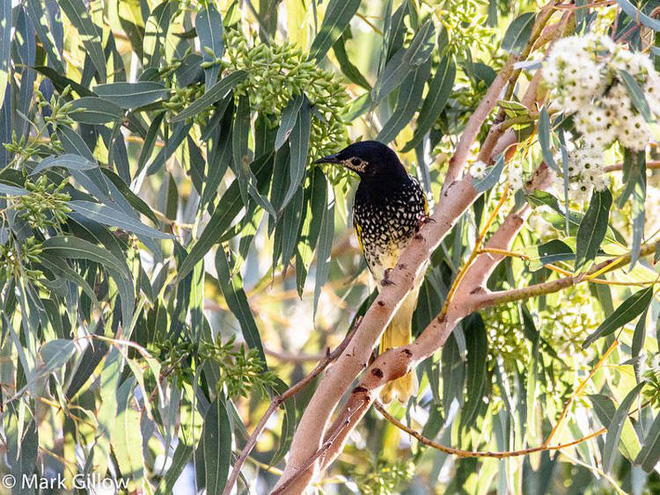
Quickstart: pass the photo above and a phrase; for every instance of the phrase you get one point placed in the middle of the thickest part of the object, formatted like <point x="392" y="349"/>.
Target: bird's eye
<point x="355" y="161"/>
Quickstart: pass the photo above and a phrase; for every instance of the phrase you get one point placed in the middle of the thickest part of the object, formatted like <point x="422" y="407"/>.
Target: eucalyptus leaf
<point x="629" y="309"/>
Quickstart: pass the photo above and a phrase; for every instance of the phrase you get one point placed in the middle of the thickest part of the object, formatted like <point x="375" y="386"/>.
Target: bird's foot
<point x="423" y="220"/>
<point x="386" y="278"/>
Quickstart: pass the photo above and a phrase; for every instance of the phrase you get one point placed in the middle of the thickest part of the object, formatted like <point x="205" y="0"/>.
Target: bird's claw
<point x="386" y="278"/>
<point x="423" y="220"/>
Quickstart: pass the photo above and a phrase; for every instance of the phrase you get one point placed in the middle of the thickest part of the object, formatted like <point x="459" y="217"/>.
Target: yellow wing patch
<point x="358" y="233"/>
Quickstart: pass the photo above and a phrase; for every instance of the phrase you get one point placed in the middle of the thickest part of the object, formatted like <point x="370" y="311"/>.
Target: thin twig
<point x="570" y="400"/>
<point x="277" y="401"/>
<point x="475" y="453"/>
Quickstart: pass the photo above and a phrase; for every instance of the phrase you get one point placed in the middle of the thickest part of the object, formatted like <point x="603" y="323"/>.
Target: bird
<point x="388" y="210"/>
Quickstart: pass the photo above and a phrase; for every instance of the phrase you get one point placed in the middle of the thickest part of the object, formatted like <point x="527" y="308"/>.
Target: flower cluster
<point x="585" y="172"/>
<point x="585" y="74"/>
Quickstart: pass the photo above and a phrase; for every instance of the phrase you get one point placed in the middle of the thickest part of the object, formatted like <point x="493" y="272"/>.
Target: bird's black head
<point x="369" y="159"/>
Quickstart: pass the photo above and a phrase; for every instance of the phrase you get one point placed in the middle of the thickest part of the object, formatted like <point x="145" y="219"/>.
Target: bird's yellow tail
<point x="398" y="333"/>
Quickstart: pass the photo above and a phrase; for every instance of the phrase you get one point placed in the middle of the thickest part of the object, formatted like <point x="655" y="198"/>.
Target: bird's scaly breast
<point x="386" y="224"/>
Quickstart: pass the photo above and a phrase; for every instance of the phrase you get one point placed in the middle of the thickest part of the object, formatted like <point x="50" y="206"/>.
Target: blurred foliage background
<point x="171" y="258"/>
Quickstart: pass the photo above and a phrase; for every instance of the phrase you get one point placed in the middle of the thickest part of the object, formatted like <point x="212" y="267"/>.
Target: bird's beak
<point x="329" y="159"/>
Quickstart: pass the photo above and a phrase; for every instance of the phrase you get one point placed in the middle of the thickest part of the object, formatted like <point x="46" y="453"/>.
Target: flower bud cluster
<point x="279" y="73"/>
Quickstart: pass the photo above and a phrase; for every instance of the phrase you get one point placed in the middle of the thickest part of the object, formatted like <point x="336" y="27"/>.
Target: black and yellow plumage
<point x="389" y="205"/>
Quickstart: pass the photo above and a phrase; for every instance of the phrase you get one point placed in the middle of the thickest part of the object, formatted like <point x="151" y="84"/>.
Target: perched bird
<point x="388" y="209"/>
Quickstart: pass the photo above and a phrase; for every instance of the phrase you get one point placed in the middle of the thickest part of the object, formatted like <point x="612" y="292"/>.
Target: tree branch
<point x="488" y="299"/>
<point x="277" y="401"/>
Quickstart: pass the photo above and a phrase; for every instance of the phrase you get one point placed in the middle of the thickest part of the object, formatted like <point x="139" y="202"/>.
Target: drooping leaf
<point x="232" y="288"/>
<point x="615" y="428"/>
<point x="5" y="45"/>
<point x="56" y="353"/>
<point x="337" y="16"/>
<point x="228" y="208"/>
<point x="156" y="29"/>
<point x="491" y="178"/>
<point x="68" y="161"/>
<point x="107" y="215"/>
<point x="37" y="14"/>
<point x="636" y="94"/>
<point x="90" y="34"/>
<point x="324" y="246"/>
<point x="298" y="147"/>
<point x="650" y="452"/>
<point x="289" y="119"/>
<point x="208" y="24"/>
<point x="215" y="447"/>
<point x="403" y="61"/>
<point x="217" y="92"/>
<point x="477" y="358"/>
<point x="132" y="95"/>
<point x="346" y="66"/>
<point x="518" y="33"/>
<point x="544" y="139"/>
<point x="410" y="94"/>
<point x="638" y="16"/>
<point x="95" y="111"/>
<point x="435" y="100"/>
<point x="629" y="309"/>
<point x="593" y="228"/>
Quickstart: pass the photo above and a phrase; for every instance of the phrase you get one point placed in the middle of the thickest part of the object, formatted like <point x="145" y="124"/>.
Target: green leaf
<point x="404" y="61"/>
<point x="324" y="246"/>
<point x="5" y="45"/>
<point x="638" y="16"/>
<point x="90" y="34"/>
<point x="491" y="178"/>
<point x="288" y="423"/>
<point x="232" y="288"/>
<point x="229" y="206"/>
<point x="615" y="427"/>
<point x="298" y="148"/>
<point x="156" y="28"/>
<point x="518" y="33"/>
<point x="107" y="215"/>
<point x="126" y="434"/>
<point x="37" y="15"/>
<point x="215" y="447"/>
<point x="208" y="25"/>
<point x="7" y="190"/>
<point x="636" y="94"/>
<point x="56" y="353"/>
<point x="453" y="373"/>
<point x="436" y="99"/>
<point x="95" y="111"/>
<point x="75" y="248"/>
<point x="132" y="95"/>
<point x="350" y="71"/>
<point x="130" y="17"/>
<point x="593" y="228"/>
<point x="216" y="93"/>
<point x="289" y="119"/>
<point x="337" y="16"/>
<point x="629" y="309"/>
<point x="477" y="359"/>
<point x="410" y="94"/>
<point x="544" y="139"/>
<point x="68" y="161"/>
<point x="179" y="462"/>
<point x="650" y="452"/>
